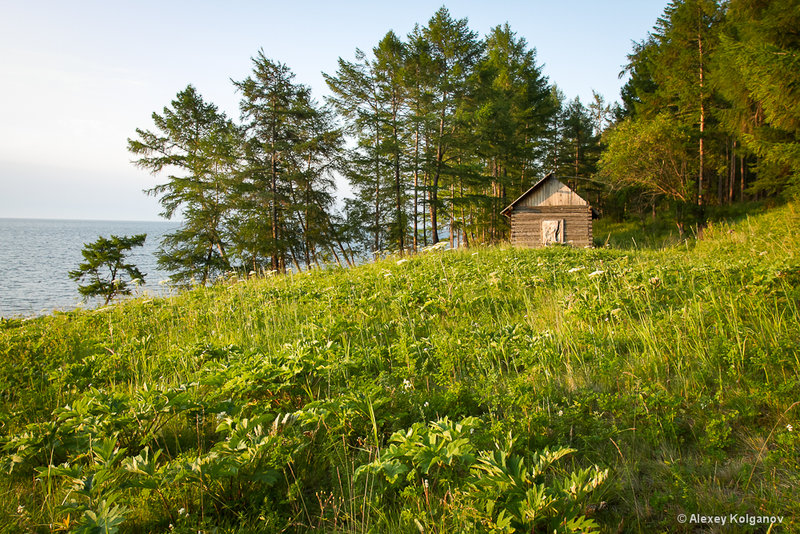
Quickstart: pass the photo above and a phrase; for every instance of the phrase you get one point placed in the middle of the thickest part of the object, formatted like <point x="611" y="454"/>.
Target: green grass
<point x="373" y="399"/>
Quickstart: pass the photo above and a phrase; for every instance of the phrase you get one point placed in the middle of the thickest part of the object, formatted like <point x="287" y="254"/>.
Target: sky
<point x="78" y="78"/>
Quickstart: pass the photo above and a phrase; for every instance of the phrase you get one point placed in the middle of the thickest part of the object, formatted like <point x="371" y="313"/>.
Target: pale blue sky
<point x="79" y="77"/>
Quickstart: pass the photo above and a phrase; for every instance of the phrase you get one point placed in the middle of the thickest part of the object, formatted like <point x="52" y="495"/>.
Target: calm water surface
<point x="36" y="256"/>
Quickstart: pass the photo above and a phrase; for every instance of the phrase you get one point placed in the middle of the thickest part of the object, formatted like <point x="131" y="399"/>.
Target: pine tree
<point x="670" y="88"/>
<point x="388" y="72"/>
<point x="687" y="35"/>
<point x="580" y="145"/>
<point x="420" y="120"/>
<point x="356" y="97"/>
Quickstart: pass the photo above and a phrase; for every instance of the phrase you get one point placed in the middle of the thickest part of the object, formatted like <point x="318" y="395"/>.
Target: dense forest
<point x="438" y="131"/>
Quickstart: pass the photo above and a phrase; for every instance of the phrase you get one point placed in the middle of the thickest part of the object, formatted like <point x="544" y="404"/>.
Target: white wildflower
<point x="182" y="511"/>
<point x="789" y="427"/>
<point x="406" y="384"/>
<point x="20" y="509"/>
<point x="576" y="269"/>
<point x="426" y="404"/>
<point x="441" y="245"/>
<point x="560" y="413"/>
<point x="595" y="273"/>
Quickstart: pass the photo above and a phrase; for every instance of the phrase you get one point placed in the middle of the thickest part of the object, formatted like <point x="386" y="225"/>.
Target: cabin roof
<point x="562" y="188"/>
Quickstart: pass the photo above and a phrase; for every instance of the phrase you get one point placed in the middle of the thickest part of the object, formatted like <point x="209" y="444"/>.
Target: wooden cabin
<point x="550" y="212"/>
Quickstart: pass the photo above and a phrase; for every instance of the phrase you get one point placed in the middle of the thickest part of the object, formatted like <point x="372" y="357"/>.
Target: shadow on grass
<point x="662" y="232"/>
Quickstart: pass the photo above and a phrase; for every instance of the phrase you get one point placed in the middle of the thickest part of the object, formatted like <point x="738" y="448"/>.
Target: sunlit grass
<point x="674" y="366"/>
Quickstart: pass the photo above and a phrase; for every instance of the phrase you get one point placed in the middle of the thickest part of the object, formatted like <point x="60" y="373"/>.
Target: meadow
<point x="480" y="390"/>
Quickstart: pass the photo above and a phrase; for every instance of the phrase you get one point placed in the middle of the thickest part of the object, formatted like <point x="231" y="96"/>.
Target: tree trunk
<point x="741" y="178"/>
<point x="399" y="200"/>
<point x="276" y="256"/>
<point x="700" y="202"/>
<point x="416" y="183"/>
<point x="377" y="244"/>
<point x="452" y="215"/>
<point x="437" y="173"/>
<point x="732" y="174"/>
<point x="463" y="216"/>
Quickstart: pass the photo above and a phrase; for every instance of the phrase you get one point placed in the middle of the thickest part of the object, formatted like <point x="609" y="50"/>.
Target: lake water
<point x="36" y="256"/>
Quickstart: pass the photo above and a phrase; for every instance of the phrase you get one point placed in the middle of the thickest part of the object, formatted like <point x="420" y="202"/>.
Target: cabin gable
<point x="551" y="192"/>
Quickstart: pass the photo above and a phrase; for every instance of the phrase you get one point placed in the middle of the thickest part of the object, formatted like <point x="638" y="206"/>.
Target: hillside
<point x="483" y="390"/>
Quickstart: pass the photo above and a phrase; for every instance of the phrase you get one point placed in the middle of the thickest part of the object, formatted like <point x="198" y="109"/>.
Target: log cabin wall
<point x="567" y="214"/>
<point x="526" y="225"/>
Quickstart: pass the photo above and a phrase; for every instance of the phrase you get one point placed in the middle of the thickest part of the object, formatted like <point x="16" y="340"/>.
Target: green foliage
<point x="472" y="390"/>
<point x="758" y="66"/>
<point x="282" y="201"/>
<point x="424" y="451"/>
<point x="200" y="145"/>
<point x="108" y="255"/>
<point x="723" y="74"/>
<point x="94" y="488"/>
<point x="520" y="498"/>
<point x="650" y="153"/>
<point x="448" y="126"/>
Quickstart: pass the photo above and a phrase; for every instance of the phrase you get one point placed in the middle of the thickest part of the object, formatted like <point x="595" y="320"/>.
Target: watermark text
<point x="730" y="519"/>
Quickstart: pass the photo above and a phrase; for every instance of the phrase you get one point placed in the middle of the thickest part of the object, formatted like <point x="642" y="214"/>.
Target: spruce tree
<point x="759" y="76"/>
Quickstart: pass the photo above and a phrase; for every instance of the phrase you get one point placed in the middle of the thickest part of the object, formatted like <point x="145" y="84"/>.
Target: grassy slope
<point x="677" y="369"/>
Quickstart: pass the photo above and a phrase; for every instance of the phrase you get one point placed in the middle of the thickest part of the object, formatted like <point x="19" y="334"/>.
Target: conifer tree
<point x="759" y="75"/>
<point x="199" y="147"/>
<point x="388" y="72"/>
<point x="454" y="49"/>
<point x="274" y="110"/>
<point x="687" y="35"/>
<point x="420" y="120"/>
<point x="510" y="108"/>
<point x="106" y="256"/>
<point x="356" y="98"/>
